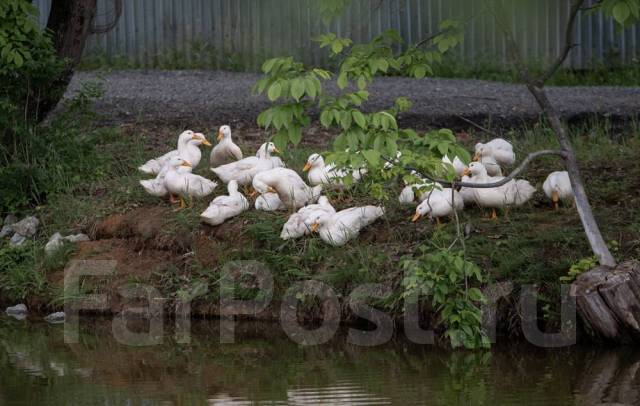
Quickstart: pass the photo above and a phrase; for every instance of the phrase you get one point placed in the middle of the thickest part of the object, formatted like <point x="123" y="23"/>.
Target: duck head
<point x="314" y="160"/>
<point x="224" y="133"/>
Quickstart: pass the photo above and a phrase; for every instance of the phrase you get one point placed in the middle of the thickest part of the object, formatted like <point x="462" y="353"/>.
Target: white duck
<point x="495" y="153"/>
<point x="155" y="186"/>
<point x="295" y="226"/>
<point x="269" y="202"/>
<point x="337" y="229"/>
<point x="557" y="187"/>
<point x="245" y="169"/>
<point x="322" y="174"/>
<point x="188" y="148"/>
<point x="458" y="165"/>
<point x="225" y="151"/>
<point x="185" y="184"/>
<point x="224" y="207"/>
<point x="439" y="203"/>
<point x="277" y="162"/>
<point x="289" y="186"/>
<point x="514" y="192"/>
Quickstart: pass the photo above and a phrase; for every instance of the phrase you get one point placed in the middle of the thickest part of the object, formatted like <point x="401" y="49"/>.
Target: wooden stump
<point x="608" y="301"/>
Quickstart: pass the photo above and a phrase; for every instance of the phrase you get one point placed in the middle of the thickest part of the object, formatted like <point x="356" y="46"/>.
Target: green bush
<point x="44" y="160"/>
<point x="32" y="161"/>
<point x="20" y="274"/>
<point x="445" y="276"/>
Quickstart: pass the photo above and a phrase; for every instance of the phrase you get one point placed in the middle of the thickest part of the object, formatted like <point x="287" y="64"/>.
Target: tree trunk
<point x="589" y="223"/>
<point x="70" y="24"/>
<point x="70" y="21"/>
<point x="609" y="301"/>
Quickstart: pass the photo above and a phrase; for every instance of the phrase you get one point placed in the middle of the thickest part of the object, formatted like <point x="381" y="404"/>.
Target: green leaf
<point x="336" y="47"/>
<point x="326" y="118"/>
<point x="621" y="12"/>
<point x="359" y="118"/>
<point x="420" y="72"/>
<point x="310" y="88"/>
<point x="372" y="156"/>
<point x="297" y="89"/>
<point x="342" y="80"/>
<point x="281" y="138"/>
<point x="295" y="134"/>
<point x="268" y="65"/>
<point x="274" y="91"/>
<point x="362" y="83"/>
<point x="345" y="120"/>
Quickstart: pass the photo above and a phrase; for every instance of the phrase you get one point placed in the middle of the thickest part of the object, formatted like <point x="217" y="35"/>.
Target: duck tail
<point x="151" y="167"/>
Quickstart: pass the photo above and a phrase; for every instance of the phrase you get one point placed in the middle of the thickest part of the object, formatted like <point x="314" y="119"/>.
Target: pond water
<point x="265" y="367"/>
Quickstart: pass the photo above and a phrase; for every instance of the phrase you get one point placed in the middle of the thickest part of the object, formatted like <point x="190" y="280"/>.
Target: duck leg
<point x="494" y="214"/>
<point x="182" y="203"/>
<point x="438" y="222"/>
<point x="555" y="198"/>
<point x="248" y="190"/>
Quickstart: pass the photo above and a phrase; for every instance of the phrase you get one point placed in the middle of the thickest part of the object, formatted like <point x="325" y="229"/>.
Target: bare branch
<point x="523" y="165"/>
<point x="478" y="126"/>
<point x="429" y="38"/>
<point x="576" y="5"/>
<point x="101" y="29"/>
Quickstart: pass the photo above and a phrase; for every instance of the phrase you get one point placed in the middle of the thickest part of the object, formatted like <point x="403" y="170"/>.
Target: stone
<point x="6" y="230"/>
<point x="26" y="227"/>
<point x="10" y="220"/>
<point x="55" y="318"/>
<point x="77" y="238"/>
<point x="18" y="309"/>
<point x="54" y="244"/>
<point x="17" y="240"/>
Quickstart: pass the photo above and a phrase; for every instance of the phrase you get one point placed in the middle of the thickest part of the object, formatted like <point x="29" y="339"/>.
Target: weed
<point x="20" y="274"/>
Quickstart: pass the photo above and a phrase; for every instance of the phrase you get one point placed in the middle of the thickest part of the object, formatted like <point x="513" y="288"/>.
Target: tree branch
<point x="476" y="125"/>
<point x="536" y="88"/>
<point x="576" y="5"/>
<point x="523" y="165"/>
<point x="101" y="29"/>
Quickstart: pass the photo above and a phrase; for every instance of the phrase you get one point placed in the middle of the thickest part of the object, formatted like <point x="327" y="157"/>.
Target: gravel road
<point x="211" y="97"/>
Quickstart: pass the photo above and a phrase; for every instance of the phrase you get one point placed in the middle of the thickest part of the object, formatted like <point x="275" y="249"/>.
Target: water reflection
<point x="36" y="367"/>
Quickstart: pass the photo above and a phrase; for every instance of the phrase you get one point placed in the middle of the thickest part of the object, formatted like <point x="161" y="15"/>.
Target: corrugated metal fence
<point x="240" y="34"/>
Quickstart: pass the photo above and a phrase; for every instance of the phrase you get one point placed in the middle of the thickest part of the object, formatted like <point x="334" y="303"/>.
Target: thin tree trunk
<point x="70" y="24"/>
<point x="589" y="223"/>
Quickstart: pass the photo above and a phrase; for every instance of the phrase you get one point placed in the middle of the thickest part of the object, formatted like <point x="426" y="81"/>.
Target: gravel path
<point x="175" y="97"/>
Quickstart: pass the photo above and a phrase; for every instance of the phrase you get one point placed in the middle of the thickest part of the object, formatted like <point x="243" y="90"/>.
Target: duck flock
<point x="279" y="188"/>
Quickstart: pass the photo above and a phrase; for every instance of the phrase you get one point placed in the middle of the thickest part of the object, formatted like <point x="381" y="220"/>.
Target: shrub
<point x="445" y="276"/>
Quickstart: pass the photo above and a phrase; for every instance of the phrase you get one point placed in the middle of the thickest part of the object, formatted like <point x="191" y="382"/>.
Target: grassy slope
<point x="534" y="244"/>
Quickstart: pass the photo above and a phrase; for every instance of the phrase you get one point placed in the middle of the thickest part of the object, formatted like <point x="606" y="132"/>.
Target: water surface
<point x="265" y="367"/>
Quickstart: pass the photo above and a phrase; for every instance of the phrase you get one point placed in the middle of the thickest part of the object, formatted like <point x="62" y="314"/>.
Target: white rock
<point x="9" y="220"/>
<point x="26" y="227"/>
<point x="17" y="240"/>
<point x="55" y="318"/>
<point x="17" y="309"/>
<point x="77" y="238"/>
<point x="6" y="230"/>
<point x="54" y="244"/>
